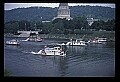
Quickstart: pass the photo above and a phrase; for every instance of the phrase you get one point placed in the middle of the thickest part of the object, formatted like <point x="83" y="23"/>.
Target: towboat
<point x="55" y="51"/>
<point x="13" y="42"/>
<point x="76" y="43"/>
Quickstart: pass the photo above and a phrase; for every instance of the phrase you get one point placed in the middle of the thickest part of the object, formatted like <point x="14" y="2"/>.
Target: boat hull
<point x="76" y="44"/>
<point x="33" y="40"/>
<point x="50" y="53"/>
<point x="12" y="43"/>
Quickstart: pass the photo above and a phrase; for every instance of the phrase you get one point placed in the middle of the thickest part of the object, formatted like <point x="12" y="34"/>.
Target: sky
<point x="9" y="6"/>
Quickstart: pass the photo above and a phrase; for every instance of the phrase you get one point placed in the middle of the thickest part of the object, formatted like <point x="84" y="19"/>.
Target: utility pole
<point x="41" y="19"/>
<point x="35" y="26"/>
<point x="25" y="26"/>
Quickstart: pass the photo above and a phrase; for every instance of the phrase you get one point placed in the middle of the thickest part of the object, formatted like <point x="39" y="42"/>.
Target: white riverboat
<point x="102" y="39"/>
<point x="98" y="40"/>
<point x="76" y="43"/>
<point x="55" y="51"/>
<point x="13" y="42"/>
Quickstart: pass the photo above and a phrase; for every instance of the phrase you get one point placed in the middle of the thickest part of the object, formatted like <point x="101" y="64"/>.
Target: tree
<point x="47" y="27"/>
<point x="11" y="27"/>
<point x="24" y="25"/>
<point x="39" y="25"/>
<point x="56" y="20"/>
<point x="95" y="25"/>
<point x="58" y="28"/>
<point x="77" y="31"/>
<point x="80" y="22"/>
<point x="68" y="31"/>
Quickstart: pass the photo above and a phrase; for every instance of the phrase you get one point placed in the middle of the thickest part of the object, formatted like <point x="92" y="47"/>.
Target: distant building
<point x="91" y="21"/>
<point x="63" y="11"/>
<point x="26" y="33"/>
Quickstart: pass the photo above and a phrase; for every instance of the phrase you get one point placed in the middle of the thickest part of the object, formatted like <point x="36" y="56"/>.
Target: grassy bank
<point x="7" y="73"/>
<point x="108" y="34"/>
<point x="88" y="35"/>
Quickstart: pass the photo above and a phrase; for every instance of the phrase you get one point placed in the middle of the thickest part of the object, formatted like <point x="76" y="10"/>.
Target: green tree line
<point x="78" y="25"/>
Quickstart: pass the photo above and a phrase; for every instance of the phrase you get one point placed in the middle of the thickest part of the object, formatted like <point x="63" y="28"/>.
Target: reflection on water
<point x="90" y="60"/>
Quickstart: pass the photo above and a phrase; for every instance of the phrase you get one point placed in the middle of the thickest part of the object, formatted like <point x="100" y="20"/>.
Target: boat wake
<point x="34" y="52"/>
<point x="30" y="52"/>
<point x="26" y="52"/>
<point x="24" y="40"/>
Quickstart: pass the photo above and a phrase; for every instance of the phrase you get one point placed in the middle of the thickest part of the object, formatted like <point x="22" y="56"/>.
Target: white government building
<point x="63" y="12"/>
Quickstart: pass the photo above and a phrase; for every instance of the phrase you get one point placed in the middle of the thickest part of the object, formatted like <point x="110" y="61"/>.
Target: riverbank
<point x="110" y="35"/>
<point x="7" y="73"/>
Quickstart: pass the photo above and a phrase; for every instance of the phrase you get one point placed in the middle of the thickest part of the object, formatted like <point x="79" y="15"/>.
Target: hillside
<point x="47" y="13"/>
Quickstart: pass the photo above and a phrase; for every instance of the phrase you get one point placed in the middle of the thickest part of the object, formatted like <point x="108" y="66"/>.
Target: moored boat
<point x="102" y="39"/>
<point x="13" y="42"/>
<point x="76" y="43"/>
<point x="98" y="40"/>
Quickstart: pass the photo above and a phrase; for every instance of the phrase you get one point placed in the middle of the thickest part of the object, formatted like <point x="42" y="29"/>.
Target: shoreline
<point x="110" y="35"/>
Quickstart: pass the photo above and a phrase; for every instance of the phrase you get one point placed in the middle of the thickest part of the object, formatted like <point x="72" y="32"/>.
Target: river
<point x="93" y="60"/>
